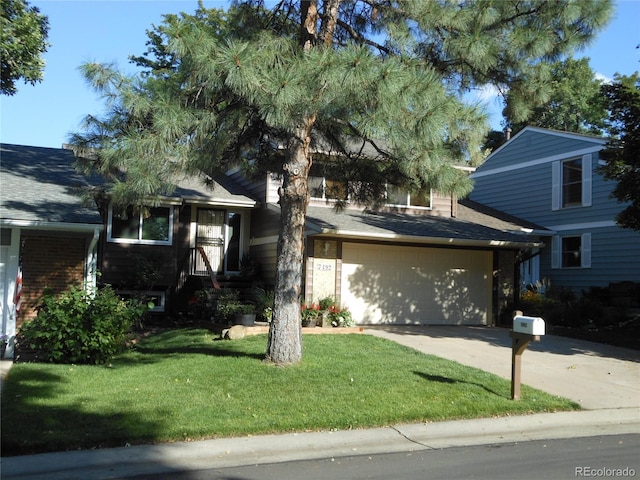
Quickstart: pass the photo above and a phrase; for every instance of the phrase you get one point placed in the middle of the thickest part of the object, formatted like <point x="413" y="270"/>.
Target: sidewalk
<point x="159" y="459"/>
<point x="604" y="380"/>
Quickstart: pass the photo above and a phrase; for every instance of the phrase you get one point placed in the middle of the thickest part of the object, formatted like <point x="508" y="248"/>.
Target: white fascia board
<point x="583" y="226"/>
<point x="538" y="161"/>
<point x="540" y="233"/>
<point x="391" y="237"/>
<point x="54" y="226"/>
<point x="221" y="203"/>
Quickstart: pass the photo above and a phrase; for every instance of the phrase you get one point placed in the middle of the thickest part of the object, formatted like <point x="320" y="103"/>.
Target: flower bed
<point x="326" y="313"/>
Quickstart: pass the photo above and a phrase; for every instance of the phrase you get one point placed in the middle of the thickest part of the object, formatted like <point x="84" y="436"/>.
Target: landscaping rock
<point x="234" y="333"/>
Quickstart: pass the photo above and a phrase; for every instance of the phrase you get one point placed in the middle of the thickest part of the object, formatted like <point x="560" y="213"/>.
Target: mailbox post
<point x="525" y="330"/>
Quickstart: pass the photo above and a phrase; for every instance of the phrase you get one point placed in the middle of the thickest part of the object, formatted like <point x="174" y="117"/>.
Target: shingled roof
<point x="40" y="187"/>
<point x="474" y="228"/>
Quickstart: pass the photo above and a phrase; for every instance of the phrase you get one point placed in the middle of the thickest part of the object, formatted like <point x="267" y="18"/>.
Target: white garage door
<point x="413" y="285"/>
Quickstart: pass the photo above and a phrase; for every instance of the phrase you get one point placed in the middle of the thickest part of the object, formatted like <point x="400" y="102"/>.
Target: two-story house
<point x="551" y="178"/>
<point x="420" y="259"/>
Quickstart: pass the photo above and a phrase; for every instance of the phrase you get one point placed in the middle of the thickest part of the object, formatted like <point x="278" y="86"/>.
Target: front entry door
<point x="211" y="238"/>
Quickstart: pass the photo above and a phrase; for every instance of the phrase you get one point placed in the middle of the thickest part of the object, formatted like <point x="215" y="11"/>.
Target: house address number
<point x="324" y="267"/>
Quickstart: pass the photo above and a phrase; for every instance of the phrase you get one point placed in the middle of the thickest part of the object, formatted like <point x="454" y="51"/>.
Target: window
<point x="157" y="298"/>
<point x="571" y="183"/>
<point x="571" y="251"/>
<point x="151" y="225"/>
<point x="403" y="198"/>
<point x="5" y="237"/>
<point x="327" y="189"/>
<point x="234" y="223"/>
<point x="324" y="186"/>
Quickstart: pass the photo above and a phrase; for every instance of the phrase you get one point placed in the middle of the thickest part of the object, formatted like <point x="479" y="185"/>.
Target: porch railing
<point x="195" y="263"/>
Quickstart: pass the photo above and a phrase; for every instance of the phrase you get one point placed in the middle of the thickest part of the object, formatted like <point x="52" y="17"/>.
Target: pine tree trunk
<point x="285" y="335"/>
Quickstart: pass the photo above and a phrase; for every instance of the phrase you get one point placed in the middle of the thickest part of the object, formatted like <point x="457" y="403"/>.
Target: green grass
<point x="184" y="385"/>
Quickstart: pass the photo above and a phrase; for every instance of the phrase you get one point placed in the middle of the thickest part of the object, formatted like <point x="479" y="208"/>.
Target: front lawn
<point x="182" y="385"/>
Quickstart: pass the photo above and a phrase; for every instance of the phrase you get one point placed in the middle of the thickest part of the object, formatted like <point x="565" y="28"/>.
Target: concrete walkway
<point x="604" y="380"/>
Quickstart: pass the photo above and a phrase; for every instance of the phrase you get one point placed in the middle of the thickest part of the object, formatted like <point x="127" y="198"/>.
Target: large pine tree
<point x="377" y="84"/>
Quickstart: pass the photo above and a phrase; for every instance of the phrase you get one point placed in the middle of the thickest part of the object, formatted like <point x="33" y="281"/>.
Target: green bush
<point x="80" y="326"/>
<point x="564" y="308"/>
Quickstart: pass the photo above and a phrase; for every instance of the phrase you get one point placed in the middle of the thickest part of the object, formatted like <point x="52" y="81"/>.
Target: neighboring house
<point x="158" y="251"/>
<point x="46" y="230"/>
<point x="551" y="178"/>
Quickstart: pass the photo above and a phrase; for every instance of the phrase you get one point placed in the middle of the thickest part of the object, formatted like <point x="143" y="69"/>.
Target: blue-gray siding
<point x="615" y="257"/>
<point x="517" y="179"/>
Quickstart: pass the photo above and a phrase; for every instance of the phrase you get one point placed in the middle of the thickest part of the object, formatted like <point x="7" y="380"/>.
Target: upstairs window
<point x="400" y="197"/>
<point x="151" y="226"/>
<point x="325" y="187"/>
<point x="571" y="183"/>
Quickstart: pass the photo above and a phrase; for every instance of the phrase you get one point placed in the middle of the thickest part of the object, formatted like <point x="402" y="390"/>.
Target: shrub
<point x="80" y="326"/>
<point x="265" y="300"/>
<point x="202" y="305"/>
<point x="564" y="308"/>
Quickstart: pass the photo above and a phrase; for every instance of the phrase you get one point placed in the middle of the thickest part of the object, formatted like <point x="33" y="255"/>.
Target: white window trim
<point x="140" y="241"/>
<point x="586" y="180"/>
<point x="160" y="308"/>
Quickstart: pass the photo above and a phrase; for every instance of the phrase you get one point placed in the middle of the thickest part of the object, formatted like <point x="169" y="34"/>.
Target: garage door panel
<point x="412" y="285"/>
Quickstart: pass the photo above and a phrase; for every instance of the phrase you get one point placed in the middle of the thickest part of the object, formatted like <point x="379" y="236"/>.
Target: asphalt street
<point x="615" y="456"/>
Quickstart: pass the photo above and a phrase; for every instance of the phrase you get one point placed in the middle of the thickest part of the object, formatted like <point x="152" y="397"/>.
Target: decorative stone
<point x="234" y="333"/>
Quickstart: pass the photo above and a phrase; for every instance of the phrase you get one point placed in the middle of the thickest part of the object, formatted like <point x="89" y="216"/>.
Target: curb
<point x="232" y="452"/>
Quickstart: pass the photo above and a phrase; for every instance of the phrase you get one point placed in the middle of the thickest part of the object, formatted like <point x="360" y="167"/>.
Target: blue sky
<point x="109" y="31"/>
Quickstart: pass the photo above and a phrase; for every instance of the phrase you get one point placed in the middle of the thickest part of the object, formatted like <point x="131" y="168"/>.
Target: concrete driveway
<point x="596" y="376"/>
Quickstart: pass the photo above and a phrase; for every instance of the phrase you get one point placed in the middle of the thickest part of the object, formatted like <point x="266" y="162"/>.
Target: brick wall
<point x="49" y="262"/>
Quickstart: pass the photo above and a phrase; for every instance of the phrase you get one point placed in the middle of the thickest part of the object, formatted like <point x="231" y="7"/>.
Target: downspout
<point x="91" y="262"/>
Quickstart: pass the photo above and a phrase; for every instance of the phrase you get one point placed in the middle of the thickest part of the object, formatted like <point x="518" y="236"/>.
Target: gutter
<point x="56" y="226"/>
<point x="90" y="270"/>
<point x="225" y="203"/>
<point x="392" y="237"/>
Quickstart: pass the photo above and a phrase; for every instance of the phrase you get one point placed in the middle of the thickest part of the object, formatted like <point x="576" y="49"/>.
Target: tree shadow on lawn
<point x="215" y="352"/>
<point x="453" y="381"/>
<point x="157" y="347"/>
<point x="31" y="426"/>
